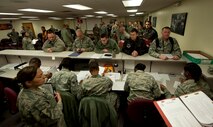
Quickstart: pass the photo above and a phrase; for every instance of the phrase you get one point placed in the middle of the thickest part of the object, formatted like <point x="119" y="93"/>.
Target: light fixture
<point x="83" y="17"/>
<point x="33" y="19"/>
<point x="101" y="12"/>
<point x="110" y="14"/>
<point x="77" y="7"/>
<point x="99" y="16"/>
<point x="132" y="10"/>
<point x="89" y="15"/>
<point x="9" y="18"/>
<point x="2" y="13"/>
<point x="132" y="15"/>
<point x="69" y="18"/>
<point x="35" y="10"/>
<point x="55" y="18"/>
<point x="139" y="13"/>
<point x="132" y="3"/>
<point x="114" y="16"/>
<point x="28" y="17"/>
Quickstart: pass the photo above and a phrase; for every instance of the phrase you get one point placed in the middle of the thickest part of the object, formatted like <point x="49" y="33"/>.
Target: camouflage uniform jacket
<point x="38" y="108"/>
<point x="110" y="46"/>
<point x="27" y="44"/>
<point x="67" y="38"/>
<point x="57" y="45"/>
<point x="85" y="43"/>
<point x="141" y="85"/>
<point x="165" y="47"/>
<point x="65" y="80"/>
<point x="190" y="86"/>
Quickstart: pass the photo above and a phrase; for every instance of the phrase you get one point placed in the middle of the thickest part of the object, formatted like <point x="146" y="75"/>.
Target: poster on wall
<point x="154" y="21"/>
<point x="6" y="26"/>
<point x="178" y="23"/>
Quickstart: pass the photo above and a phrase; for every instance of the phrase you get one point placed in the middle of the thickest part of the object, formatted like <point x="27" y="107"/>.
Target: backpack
<point x="170" y="39"/>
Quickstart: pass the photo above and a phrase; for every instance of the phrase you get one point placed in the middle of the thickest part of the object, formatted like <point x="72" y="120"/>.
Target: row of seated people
<point x="134" y="45"/>
<point x="40" y="107"/>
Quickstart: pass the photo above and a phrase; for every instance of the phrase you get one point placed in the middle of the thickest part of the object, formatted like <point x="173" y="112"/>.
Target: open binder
<point x="190" y="110"/>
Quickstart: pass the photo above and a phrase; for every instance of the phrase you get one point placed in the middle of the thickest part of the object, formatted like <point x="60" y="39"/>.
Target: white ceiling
<point x="111" y="6"/>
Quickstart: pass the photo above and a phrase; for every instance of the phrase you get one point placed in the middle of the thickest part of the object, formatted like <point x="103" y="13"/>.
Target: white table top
<point x="147" y="57"/>
<point x="84" y="55"/>
<point x="204" y="69"/>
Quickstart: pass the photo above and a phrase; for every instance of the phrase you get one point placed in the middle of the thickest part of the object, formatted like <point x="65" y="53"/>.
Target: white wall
<point x="198" y="30"/>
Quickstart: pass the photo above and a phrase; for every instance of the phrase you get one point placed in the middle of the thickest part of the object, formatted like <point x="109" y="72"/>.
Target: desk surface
<point x="147" y="57"/>
<point x="84" y="55"/>
<point x="204" y="69"/>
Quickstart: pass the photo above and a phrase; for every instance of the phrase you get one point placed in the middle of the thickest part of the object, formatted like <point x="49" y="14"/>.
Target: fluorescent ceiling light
<point x="132" y="15"/>
<point x="140" y="13"/>
<point x="89" y="15"/>
<point x="101" y="12"/>
<point x="77" y="7"/>
<point x="83" y="17"/>
<point x="114" y="16"/>
<point x="9" y="18"/>
<point x="35" y="10"/>
<point x="1" y="13"/>
<point x="132" y="3"/>
<point x="34" y="19"/>
<point x="99" y="16"/>
<point x="110" y="14"/>
<point x="55" y="18"/>
<point x="69" y="18"/>
<point x="133" y="10"/>
<point x="28" y="17"/>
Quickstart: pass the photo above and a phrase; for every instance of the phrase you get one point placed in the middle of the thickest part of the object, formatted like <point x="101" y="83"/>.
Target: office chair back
<point x="142" y="112"/>
<point x="12" y="99"/>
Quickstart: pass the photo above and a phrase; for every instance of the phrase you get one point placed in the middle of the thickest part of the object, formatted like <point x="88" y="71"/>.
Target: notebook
<point x="191" y="110"/>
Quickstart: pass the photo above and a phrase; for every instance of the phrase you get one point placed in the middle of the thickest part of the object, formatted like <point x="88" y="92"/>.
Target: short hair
<point x="26" y="74"/>
<point x="140" y="66"/>
<point x="93" y="65"/>
<point x="134" y="30"/>
<point x="104" y="35"/>
<point x="194" y="70"/>
<point x="67" y="63"/>
<point x="42" y="27"/>
<point x="50" y="31"/>
<point x="166" y="27"/>
<point x="148" y="22"/>
<point x="36" y="62"/>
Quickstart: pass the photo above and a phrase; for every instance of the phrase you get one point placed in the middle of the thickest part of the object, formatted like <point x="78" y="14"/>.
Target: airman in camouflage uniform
<point x="122" y="34"/>
<point x="141" y="85"/>
<point x="65" y="80"/>
<point x="192" y="82"/>
<point x="82" y="43"/>
<point x="27" y="42"/>
<point x="106" y="45"/>
<point x="98" y="86"/>
<point x="53" y="44"/>
<point x="67" y="37"/>
<point x="38" y="106"/>
<point x="165" y="46"/>
<point x="190" y="86"/>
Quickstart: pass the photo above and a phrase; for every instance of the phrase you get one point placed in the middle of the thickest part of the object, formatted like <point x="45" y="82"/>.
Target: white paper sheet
<point x="116" y="76"/>
<point x="118" y="85"/>
<point x="9" y="66"/>
<point x="96" y="55"/>
<point x="201" y="106"/>
<point x="170" y="56"/>
<point x="82" y="75"/>
<point x="176" y="84"/>
<point x="177" y="114"/>
<point x="198" y="56"/>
